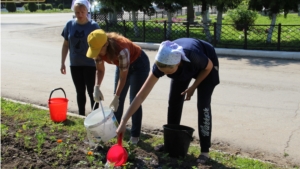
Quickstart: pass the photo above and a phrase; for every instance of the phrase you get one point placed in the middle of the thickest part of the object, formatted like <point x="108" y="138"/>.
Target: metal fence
<point x="258" y="37"/>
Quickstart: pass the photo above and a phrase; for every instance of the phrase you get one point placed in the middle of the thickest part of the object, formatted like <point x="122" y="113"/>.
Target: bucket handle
<point x="101" y="108"/>
<point x="55" y="90"/>
<point x="102" y="111"/>
<point x="191" y="137"/>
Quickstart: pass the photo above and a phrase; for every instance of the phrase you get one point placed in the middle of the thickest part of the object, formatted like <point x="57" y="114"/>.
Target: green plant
<point x="90" y="158"/>
<point x="242" y="16"/>
<point x="49" y="6"/>
<point x="25" y="6"/>
<point x="27" y="141"/>
<point x="32" y="7"/>
<point x="40" y="136"/>
<point x="11" y="7"/>
<point x="61" y="6"/>
<point x="4" y="130"/>
<point x="43" y="7"/>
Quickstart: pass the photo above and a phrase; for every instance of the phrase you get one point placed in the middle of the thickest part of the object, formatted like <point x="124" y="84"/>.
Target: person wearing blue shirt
<point x="82" y="68"/>
<point x="182" y="60"/>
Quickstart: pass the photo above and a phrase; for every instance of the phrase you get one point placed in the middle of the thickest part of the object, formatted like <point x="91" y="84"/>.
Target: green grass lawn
<point x="54" y="10"/>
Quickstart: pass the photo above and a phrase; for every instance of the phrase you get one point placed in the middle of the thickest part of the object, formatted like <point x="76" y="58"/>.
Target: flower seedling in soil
<point x="27" y="141"/>
<point x="90" y="158"/>
<point x="4" y="130"/>
<point x="40" y="136"/>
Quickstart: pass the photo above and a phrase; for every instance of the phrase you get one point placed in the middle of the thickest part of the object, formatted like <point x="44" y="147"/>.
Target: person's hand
<point x="121" y="128"/>
<point x="115" y="103"/>
<point x="97" y="94"/>
<point x="63" y="69"/>
<point x="189" y="93"/>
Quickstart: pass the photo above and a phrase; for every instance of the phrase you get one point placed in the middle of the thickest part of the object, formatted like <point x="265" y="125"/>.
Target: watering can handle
<point x="120" y="137"/>
<point x="55" y="90"/>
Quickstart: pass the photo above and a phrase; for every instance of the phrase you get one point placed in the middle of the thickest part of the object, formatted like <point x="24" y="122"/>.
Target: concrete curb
<point x="238" y="52"/>
<point x="43" y="108"/>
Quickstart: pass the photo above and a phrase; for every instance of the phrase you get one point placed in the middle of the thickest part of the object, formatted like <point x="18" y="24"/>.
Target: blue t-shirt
<point x="76" y="35"/>
<point x="198" y="52"/>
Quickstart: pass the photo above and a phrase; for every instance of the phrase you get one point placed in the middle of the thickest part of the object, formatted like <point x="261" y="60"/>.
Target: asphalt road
<point x="255" y="108"/>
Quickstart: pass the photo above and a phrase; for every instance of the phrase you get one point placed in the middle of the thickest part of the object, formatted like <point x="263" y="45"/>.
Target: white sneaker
<point x="134" y="140"/>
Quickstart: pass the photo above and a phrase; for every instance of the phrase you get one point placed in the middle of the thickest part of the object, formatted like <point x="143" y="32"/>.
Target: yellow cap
<point x="96" y="41"/>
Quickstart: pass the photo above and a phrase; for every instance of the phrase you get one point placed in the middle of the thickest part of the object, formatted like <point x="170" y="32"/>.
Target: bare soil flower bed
<point x="32" y="147"/>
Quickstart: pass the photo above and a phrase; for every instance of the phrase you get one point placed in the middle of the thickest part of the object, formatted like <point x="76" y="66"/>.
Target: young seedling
<point x="27" y="141"/>
<point x="40" y="136"/>
<point x="4" y="130"/>
<point x="24" y="126"/>
<point x="90" y="158"/>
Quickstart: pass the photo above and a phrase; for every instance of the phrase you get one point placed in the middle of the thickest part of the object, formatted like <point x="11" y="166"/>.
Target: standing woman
<point x="182" y="60"/>
<point x="75" y="42"/>
<point x="133" y="67"/>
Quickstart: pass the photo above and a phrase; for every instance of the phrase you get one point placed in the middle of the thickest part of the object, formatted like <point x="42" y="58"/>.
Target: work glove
<point x="115" y="103"/>
<point x="97" y="94"/>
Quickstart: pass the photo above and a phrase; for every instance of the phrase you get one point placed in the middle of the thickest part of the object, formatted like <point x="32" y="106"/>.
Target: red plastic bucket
<point x="58" y="107"/>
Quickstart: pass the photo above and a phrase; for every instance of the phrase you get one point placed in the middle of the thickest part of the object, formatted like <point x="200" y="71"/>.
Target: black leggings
<point x="84" y="78"/>
<point x="204" y="92"/>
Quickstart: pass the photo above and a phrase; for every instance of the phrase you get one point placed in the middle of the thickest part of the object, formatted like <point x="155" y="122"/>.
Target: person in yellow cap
<point x="132" y="70"/>
<point x="182" y="60"/>
<point x="82" y="68"/>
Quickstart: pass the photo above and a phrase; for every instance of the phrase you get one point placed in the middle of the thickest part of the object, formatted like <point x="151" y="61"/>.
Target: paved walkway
<point x="239" y="52"/>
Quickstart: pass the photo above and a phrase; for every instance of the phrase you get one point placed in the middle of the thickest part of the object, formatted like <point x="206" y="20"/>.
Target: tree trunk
<point x="206" y="25"/>
<point x="169" y="27"/>
<point x="135" y="26"/>
<point x="298" y="9"/>
<point x="270" y="30"/>
<point x="219" y="25"/>
<point x="190" y="12"/>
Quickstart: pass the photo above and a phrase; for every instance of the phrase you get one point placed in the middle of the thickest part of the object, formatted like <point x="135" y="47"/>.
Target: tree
<point x="32" y="6"/>
<point x="11" y="7"/>
<point x="223" y="6"/>
<point x="133" y="7"/>
<point x="273" y="8"/>
<point x="170" y="6"/>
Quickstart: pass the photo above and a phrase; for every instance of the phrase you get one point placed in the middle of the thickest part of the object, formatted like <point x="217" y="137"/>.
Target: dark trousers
<point x="137" y="74"/>
<point x="204" y="93"/>
<point x="84" y="78"/>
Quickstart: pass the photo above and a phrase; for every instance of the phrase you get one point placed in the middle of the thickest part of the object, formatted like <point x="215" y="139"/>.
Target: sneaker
<point x="134" y="140"/>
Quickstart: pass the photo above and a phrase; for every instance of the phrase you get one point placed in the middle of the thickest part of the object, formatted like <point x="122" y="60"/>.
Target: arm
<point x="100" y="70"/>
<point x="64" y="52"/>
<point x="201" y="76"/>
<point x="138" y="100"/>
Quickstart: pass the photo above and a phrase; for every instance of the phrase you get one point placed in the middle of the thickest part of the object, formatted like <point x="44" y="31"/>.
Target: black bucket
<point x="177" y="139"/>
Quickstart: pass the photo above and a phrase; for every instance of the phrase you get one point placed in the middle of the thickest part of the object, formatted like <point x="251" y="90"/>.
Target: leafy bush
<point x="242" y="16"/>
<point x="61" y="6"/>
<point x="11" y="7"/>
<point x="25" y="6"/>
<point x="32" y="7"/>
<point x="43" y="7"/>
<point x="49" y="6"/>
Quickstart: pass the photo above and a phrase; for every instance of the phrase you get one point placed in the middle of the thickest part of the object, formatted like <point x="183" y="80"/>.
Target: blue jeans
<point x="137" y="74"/>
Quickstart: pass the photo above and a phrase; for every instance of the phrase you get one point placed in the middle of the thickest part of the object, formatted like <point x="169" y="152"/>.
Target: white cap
<point x="170" y="53"/>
